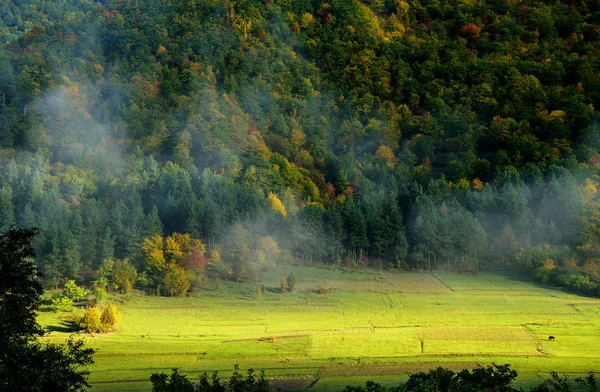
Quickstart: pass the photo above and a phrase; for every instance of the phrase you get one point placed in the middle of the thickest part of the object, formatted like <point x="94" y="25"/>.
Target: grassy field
<point x="369" y="325"/>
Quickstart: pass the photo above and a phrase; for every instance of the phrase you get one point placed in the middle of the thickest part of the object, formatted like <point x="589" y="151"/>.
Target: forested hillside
<point x="216" y="137"/>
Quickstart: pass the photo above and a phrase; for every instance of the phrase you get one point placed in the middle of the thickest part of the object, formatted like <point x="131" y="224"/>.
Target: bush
<point x="101" y="294"/>
<point x="283" y="285"/>
<point x="110" y="317"/>
<point x="291" y="282"/>
<point x="105" y="272"/>
<point x="176" y="282"/>
<point x="90" y="322"/>
<point x="62" y="304"/>
<point x="73" y="292"/>
<point x="124" y="276"/>
<point x="321" y="289"/>
<point x="94" y="321"/>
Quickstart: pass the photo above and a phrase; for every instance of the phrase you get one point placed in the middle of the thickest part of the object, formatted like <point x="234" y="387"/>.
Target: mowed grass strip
<point x="417" y="283"/>
<point x="483" y="333"/>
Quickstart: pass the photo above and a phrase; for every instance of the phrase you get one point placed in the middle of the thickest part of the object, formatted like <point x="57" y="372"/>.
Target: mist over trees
<point x="191" y="139"/>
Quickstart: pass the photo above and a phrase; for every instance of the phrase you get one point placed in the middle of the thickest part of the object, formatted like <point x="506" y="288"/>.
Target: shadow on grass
<point x="66" y="325"/>
<point x="519" y="276"/>
<point x="46" y="309"/>
<point x="62" y="328"/>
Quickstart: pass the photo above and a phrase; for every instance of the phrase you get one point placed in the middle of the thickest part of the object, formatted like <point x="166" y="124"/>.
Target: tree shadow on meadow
<point x="65" y="325"/>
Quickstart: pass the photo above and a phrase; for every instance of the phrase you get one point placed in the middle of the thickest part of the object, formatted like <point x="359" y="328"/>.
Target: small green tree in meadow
<point x="100" y="294"/>
<point x="291" y="282"/>
<point x="73" y="292"/>
<point x="283" y="285"/>
<point x="124" y="276"/>
<point x="62" y="304"/>
<point x="105" y="273"/>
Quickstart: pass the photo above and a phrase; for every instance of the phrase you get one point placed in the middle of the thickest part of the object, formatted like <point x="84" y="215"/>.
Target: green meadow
<point x="369" y="325"/>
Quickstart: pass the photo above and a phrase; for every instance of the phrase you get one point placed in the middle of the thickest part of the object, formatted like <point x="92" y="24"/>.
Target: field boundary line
<point x="443" y="283"/>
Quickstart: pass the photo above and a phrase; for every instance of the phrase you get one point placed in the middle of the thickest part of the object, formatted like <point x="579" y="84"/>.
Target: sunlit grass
<point x="370" y="325"/>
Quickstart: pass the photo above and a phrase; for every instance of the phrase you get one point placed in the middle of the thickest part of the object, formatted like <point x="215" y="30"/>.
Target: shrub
<point x="105" y="272"/>
<point x="283" y="285"/>
<point x="176" y="282"/>
<point x="291" y="282"/>
<point x="124" y="276"/>
<point x="62" y="304"/>
<point x="73" y="292"/>
<point x="321" y="289"/>
<point x="90" y="322"/>
<point x="101" y="294"/>
<point x="110" y="317"/>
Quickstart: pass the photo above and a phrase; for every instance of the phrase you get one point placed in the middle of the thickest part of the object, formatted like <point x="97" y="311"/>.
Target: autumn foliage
<point x="470" y="30"/>
<point x="174" y="262"/>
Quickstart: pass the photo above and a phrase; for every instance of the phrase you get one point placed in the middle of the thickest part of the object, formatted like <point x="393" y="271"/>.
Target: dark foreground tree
<point x="495" y="378"/>
<point x="25" y="363"/>
<point x="176" y="382"/>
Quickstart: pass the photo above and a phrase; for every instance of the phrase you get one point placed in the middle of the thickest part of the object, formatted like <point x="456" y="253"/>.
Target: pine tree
<point x="7" y="210"/>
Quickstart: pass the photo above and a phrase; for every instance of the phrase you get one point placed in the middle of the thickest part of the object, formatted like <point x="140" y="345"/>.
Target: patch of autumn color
<point x="298" y="138"/>
<point x="470" y="30"/>
<point x="277" y="205"/>
<point x="349" y="190"/>
<point x="161" y="50"/>
<point x="330" y="189"/>
<point x="591" y="187"/>
<point x="570" y="262"/>
<point x="477" y="184"/>
<point x="307" y="19"/>
<point x="152" y="89"/>
<point x="194" y="261"/>
<point x="556" y="151"/>
<point x="386" y="156"/>
<point x="177" y="249"/>
<point x="594" y="161"/>
<point x="174" y="245"/>
<point x="98" y="69"/>
<point x="195" y="67"/>
<point x="462" y="184"/>
<point x="153" y="249"/>
<point x="590" y="267"/>
<point x="549" y="264"/>
<point x="485" y="18"/>
<point x="269" y="247"/>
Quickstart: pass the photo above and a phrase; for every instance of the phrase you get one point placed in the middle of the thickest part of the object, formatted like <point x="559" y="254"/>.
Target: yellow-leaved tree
<point x="174" y="262"/>
<point x="277" y="205"/>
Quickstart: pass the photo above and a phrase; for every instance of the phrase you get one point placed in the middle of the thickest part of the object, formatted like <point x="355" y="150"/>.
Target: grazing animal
<point x="551" y="338"/>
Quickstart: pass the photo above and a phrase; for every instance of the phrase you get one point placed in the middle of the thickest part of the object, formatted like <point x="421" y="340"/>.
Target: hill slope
<point x="426" y="133"/>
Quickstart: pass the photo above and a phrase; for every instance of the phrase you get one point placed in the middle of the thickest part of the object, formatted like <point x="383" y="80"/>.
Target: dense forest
<point x="157" y="143"/>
